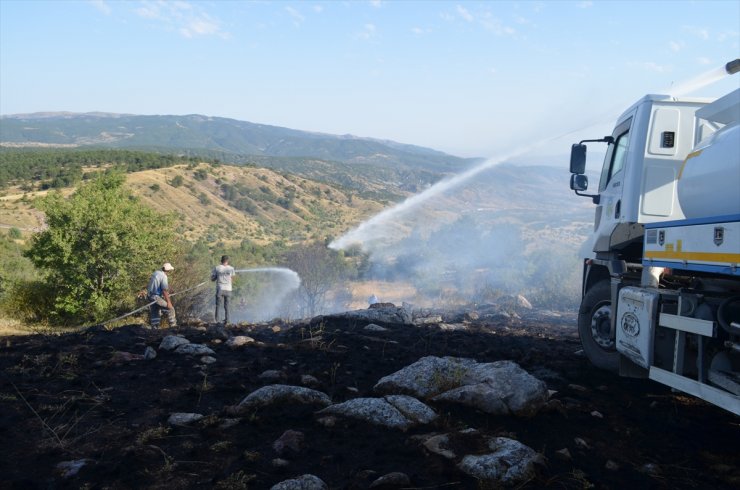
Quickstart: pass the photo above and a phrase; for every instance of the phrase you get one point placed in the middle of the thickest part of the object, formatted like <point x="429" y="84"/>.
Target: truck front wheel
<point x="594" y="322"/>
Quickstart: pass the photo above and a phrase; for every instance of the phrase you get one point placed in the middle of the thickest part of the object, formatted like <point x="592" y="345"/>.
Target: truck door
<point x="609" y="210"/>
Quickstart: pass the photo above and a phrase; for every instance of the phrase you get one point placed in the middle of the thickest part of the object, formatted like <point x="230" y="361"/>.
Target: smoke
<point x="264" y="294"/>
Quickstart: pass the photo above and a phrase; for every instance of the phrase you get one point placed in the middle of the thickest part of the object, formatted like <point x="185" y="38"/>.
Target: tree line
<point x="55" y="168"/>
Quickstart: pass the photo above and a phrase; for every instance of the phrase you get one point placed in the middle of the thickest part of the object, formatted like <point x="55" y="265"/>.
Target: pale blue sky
<point x="464" y="77"/>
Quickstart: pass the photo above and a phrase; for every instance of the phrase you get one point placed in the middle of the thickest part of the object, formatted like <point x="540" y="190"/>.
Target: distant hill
<point x="229" y="139"/>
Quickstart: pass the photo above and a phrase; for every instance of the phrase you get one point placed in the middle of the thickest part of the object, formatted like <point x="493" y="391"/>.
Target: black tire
<point x="593" y="327"/>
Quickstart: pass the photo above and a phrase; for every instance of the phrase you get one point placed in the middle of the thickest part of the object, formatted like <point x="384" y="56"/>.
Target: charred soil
<point x="84" y="398"/>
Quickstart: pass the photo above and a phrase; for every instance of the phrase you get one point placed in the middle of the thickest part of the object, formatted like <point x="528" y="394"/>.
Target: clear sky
<point x="463" y="77"/>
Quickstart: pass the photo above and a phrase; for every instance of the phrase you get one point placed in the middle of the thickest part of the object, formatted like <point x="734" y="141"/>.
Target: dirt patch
<point x="76" y="398"/>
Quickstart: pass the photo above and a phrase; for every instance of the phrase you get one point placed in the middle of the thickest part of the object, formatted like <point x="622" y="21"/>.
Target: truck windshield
<point x="616" y="154"/>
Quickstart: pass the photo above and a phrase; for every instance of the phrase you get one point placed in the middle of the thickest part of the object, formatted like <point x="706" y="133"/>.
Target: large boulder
<point x="500" y="387"/>
<point x="274" y="394"/>
<point x="510" y="463"/>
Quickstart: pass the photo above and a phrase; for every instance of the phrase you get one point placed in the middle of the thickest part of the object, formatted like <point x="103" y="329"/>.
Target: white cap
<point x="167" y="267"/>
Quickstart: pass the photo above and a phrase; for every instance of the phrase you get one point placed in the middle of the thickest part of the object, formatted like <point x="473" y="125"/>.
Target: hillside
<point x="215" y="137"/>
<point x="226" y="203"/>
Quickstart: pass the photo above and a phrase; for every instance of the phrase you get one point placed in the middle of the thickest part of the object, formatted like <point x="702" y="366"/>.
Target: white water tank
<point x="709" y="183"/>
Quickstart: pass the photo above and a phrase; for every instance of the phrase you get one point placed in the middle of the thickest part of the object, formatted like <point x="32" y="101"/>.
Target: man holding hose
<point x="158" y="291"/>
<point x="222" y="274"/>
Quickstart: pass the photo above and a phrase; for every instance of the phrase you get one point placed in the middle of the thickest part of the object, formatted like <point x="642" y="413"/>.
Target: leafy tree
<point x="100" y="246"/>
<point x="319" y="268"/>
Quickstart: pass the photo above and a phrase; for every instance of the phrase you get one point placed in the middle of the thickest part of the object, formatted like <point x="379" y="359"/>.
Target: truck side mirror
<point x="578" y="182"/>
<point x="578" y="159"/>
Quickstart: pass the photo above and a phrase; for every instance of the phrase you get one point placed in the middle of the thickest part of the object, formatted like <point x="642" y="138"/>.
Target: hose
<point x="148" y="305"/>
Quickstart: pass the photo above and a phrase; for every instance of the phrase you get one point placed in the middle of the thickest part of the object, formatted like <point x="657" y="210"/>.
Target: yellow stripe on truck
<point x="693" y="256"/>
<point x="689" y="156"/>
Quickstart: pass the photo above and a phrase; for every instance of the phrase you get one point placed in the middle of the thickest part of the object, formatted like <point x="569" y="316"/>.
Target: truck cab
<point x="643" y="204"/>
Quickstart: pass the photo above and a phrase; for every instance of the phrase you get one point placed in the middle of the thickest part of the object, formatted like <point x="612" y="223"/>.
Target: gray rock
<point x="650" y="469"/>
<point x="183" y="418"/>
<point x="392" y="480"/>
<point x="611" y="465"/>
<point x="597" y="414"/>
<point x="412" y="408"/>
<point x="273" y="394"/>
<point x="390" y="315"/>
<point x="523" y="302"/>
<point x="564" y="454"/>
<point x="149" y="353"/>
<point x="511" y="462"/>
<point x="172" y="342"/>
<point x="207" y="359"/>
<point x="194" y="350"/>
<point x="309" y="380"/>
<point x="500" y="387"/>
<point x="439" y="444"/>
<point x="271" y="375"/>
<point x="280" y="463"/>
<point x="291" y="440"/>
<point x="68" y="469"/>
<point x="239" y="341"/>
<point x="303" y="482"/>
<point x="428" y="320"/>
<point x="375" y="328"/>
<point x="581" y="443"/>
<point x="328" y="421"/>
<point x="376" y="411"/>
<point x="228" y="423"/>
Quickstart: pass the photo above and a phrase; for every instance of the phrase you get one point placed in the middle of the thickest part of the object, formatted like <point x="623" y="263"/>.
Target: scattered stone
<point x="149" y="353"/>
<point x="581" y="443"/>
<point x="239" y="341"/>
<point x="452" y="327"/>
<point x="69" y="469"/>
<point x="392" y="480"/>
<point x="353" y="390"/>
<point x="328" y="421"/>
<point x="275" y="329"/>
<point x="650" y="469"/>
<point x="271" y="375"/>
<point x="471" y="316"/>
<point x="281" y="463"/>
<point x="291" y="440"/>
<point x="183" y="418"/>
<point x="309" y="380"/>
<point x="121" y="356"/>
<point x="564" y="454"/>
<point x="375" y="328"/>
<point x="207" y="359"/>
<point x="611" y="465"/>
<point x="653" y="404"/>
<point x="303" y="482"/>
<point x="439" y="445"/>
<point x="576" y="387"/>
<point x="216" y="341"/>
<point x="523" y="302"/>
<point x="229" y="423"/>
<point x="194" y="350"/>
<point x="597" y="414"/>
<point x="579" y="353"/>
<point x="428" y="320"/>
<point x="510" y="462"/>
<point x="273" y="394"/>
<point x="172" y="342"/>
<point x="551" y="393"/>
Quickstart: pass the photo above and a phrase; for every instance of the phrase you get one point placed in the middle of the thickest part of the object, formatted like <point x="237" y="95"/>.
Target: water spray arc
<point x="373" y="228"/>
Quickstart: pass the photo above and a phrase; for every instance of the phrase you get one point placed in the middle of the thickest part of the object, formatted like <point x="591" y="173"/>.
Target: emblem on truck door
<point x="719" y="235"/>
<point x="630" y="324"/>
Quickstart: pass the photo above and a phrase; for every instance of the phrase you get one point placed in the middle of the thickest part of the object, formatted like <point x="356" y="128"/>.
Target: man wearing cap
<point x="158" y="291"/>
<point x="222" y="275"/>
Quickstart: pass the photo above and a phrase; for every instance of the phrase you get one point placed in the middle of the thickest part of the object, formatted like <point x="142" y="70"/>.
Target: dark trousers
<point x="225" y="295"/>
<point x="156" y="310"/>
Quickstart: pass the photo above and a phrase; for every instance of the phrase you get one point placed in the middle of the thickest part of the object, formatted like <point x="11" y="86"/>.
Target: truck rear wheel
<point x="594" y="323"/>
